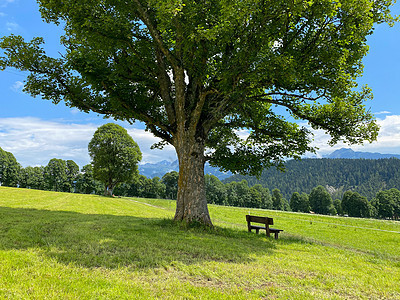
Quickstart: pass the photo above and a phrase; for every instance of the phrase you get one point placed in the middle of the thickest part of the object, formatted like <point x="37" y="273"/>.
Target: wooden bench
<point x="262" y="220"/>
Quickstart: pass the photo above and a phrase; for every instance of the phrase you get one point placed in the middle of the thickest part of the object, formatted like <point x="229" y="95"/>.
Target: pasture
<point x="72" y="246"/>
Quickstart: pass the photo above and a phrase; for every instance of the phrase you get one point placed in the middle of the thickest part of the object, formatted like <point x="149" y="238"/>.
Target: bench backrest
<point x="262" y="220"/>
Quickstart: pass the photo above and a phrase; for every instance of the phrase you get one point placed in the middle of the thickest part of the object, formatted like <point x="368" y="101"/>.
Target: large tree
<point x="115" y="156"/>
<point x="198" y="73"/>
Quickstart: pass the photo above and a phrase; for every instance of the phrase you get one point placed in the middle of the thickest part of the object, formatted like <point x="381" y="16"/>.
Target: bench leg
<point x="276" y="235"/>
<point x="257" y="230"/>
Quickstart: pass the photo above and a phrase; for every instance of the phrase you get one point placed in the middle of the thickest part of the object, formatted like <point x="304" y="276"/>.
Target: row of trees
<point x="65" y="176"/>
<point x="164" y="188"/>
<point x="115" y="156"/>
<point x="58" y="175"/>
<point x="386" y="204"/>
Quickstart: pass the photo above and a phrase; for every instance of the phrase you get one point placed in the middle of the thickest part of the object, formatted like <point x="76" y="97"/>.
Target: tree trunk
<point x="191" y="205"/>
<point x="108" y="190"/>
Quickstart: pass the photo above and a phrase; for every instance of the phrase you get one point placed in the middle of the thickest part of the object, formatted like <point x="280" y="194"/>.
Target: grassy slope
<point x="56" y="245"/>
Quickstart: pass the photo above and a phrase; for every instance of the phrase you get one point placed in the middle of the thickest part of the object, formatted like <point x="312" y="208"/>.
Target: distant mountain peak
<point x="351" y="154"/>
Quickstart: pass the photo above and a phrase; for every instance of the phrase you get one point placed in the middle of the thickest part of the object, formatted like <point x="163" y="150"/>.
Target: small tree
<point x="396" y="199"/>
<point x="32" y="178"/>
<point x="55" y="176"/>
<point x="156" y="188"/>
<point x="115" y="156"/>
<point x="295" y="202"/>
<point x="137" y="188"/>
<point x="72" y="171"/>
<point x="215" y="190"/>
<point x="388" y="203"/>
<point x="299" y="202"/>
<point x="321" y="200"/>
<point x="337" y="203"/>
<point x="265" y="196"/>
<point x="9" y="169"/>
<point x="358" y="206"/>
<point x="278" y="202"/>
<point x="85" y="182"/>
<point x="346" y="202"/>
<point x="231" y="190"/>
<point x="170" y="180"/>
<point x="305" y="203"/>
<point x="243" y="193"/>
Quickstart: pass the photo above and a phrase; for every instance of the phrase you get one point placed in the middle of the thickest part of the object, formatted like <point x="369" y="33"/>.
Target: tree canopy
<point x="9" y="169"/>
<point x="198" y="73"/>
<point x="115" y="156"/>
<point x="299" y="202"/>
<point x="170" y="180"/>
<point x="320" y="200"/>
<point x="388" y="203"/>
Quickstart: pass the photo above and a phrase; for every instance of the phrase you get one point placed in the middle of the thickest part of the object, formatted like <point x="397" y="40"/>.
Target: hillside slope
<point x="69" y="246"/>
<point x="365" y="176"/>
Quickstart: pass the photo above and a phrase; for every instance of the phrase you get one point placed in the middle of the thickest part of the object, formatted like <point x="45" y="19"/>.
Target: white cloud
<point x="384" y="112"/>
<point x="388" y="139"/>
<point x="75" y="111"/>
<point x="145" y="140"/>
<point x="12" y="26"/>
<point x="17" y="86"/>
<point x="4" y="3"/>
<point x="242" y="133"/>
<point x="2" y="14"/>
<point x="34" y="141"/>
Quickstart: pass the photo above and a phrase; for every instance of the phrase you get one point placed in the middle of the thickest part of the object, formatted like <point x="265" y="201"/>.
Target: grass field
<point x="70" y="246"/>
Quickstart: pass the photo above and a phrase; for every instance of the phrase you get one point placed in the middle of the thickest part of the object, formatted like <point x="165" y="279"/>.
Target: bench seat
<point x="262" y="220"/>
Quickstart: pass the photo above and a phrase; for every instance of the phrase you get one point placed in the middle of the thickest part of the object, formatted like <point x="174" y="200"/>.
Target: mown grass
<point x="68" y="246"/>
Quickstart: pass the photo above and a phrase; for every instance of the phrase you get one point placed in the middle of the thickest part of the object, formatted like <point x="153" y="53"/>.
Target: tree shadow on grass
<point x="110" y="241"/>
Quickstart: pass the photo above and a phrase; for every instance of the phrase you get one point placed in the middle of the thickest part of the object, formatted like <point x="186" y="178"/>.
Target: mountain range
<point x="151" y="170"/>
<point x="159" y="169"/>
<point x="350" y="154"/>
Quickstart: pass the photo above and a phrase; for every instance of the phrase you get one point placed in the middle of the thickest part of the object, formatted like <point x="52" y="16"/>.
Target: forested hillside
<point x="365" y="176"/>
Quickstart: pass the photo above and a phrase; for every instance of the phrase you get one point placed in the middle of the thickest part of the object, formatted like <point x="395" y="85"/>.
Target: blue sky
<point x="36" y="130"/>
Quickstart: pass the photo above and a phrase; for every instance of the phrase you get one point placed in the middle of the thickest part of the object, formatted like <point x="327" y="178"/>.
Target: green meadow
<point x="72" y="246"/>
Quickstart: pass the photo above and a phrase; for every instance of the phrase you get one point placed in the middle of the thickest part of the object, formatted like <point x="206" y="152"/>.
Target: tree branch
<point x="156" y="35"/>
<point x="165" y="88"/>
<point x="197" y="111"/>
<point x="284" y="94"/>
<point x="166" y="136"/>
<point x="295" y="111"/>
